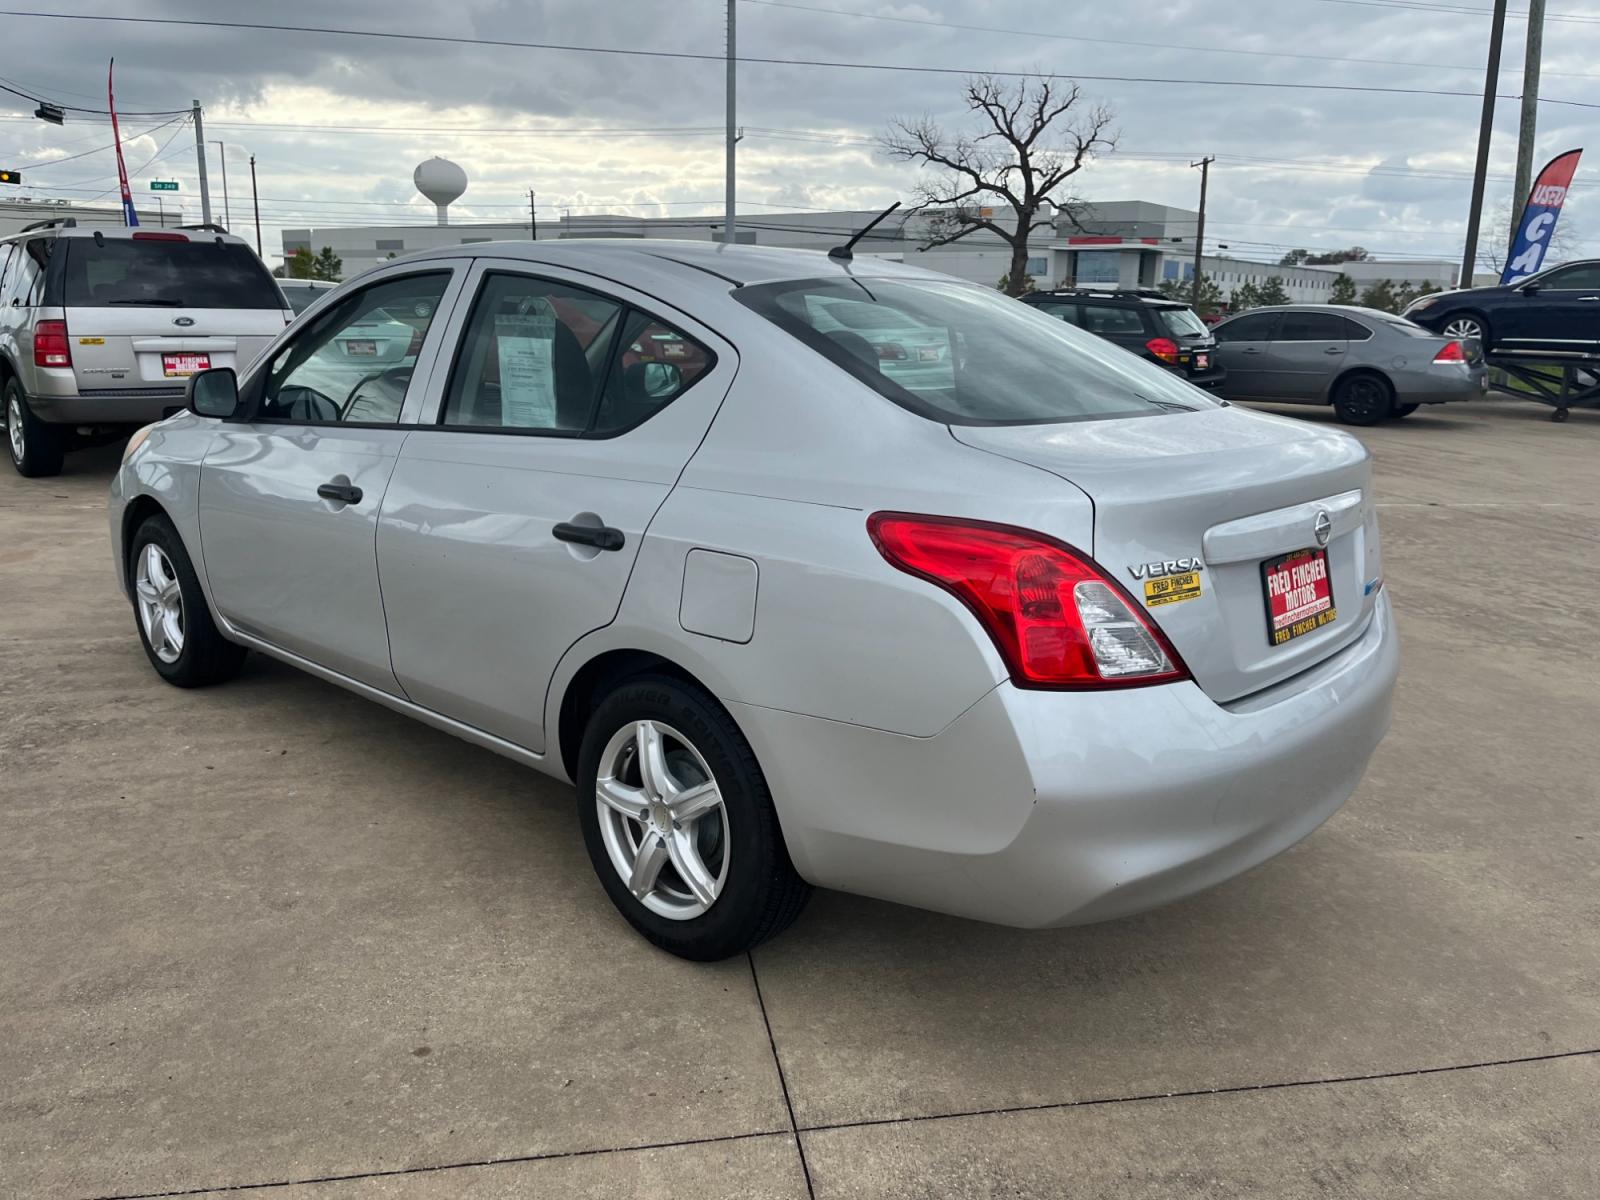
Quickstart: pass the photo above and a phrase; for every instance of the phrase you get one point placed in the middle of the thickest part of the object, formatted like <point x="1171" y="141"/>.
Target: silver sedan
<point x="1370" y="365"/>
<point x="1035" y="633"/>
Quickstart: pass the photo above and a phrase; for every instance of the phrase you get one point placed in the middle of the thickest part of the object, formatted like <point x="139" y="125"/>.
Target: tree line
<point x="1383" y="294"/>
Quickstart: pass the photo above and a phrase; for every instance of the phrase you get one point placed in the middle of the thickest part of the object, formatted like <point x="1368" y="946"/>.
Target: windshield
<point x="165" y="274"/>
<point x="965" y="355"/>
<point x="1181" y="322"/>
<point x="1408" y="328"/>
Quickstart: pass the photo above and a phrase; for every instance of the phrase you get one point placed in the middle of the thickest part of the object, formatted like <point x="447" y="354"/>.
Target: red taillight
<point x="1451" y="352"/>
<point x="152" y="236"/>
<point x="1058" y="620"/>
<point x="50" y="348"/>
<point x="891" y="352"/>
<point x="1163" y="348"/>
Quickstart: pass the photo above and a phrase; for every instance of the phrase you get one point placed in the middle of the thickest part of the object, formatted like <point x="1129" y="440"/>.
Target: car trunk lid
<point x="1233" y="490"/>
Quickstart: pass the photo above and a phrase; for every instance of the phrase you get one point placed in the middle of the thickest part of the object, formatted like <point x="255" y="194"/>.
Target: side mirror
<point x="213" y="393"/>
<point x="662" y="380"/>
<point x="1530" y="289"/>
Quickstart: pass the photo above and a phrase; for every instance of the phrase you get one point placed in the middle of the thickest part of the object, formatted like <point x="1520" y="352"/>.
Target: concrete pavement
<point x="272" y="936"/>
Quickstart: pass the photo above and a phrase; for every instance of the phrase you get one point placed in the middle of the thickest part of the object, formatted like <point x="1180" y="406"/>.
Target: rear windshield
<point x="1408" y="328"/>
<point x="966" y="355"/>
<point x="1181" y="322"/>
<point x="299" y="296"/>
<point x="135" y="272"/>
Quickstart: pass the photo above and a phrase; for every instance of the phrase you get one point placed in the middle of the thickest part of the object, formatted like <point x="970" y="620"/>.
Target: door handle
<point x="602" y="537"/>
<point x="1333" y="350"/>
<point x="1589" y="299"/>
<point x="1249" y="350"/>
<point x="343" y="493"/>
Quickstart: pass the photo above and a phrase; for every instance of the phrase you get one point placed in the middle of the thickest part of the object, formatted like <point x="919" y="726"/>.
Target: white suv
<point x="100" y="327"/>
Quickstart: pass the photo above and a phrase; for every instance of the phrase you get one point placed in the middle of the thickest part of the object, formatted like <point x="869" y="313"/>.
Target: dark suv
<point x="1554" y="314"/>
<point x="1164" y="331"/>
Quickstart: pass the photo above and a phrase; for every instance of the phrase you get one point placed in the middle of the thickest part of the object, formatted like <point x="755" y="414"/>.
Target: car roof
<point x="69" y="228"/>
<point x="738" y="265"/>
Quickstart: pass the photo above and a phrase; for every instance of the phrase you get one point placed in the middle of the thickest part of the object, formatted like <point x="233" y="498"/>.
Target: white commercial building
<point x="1110" y="245"/>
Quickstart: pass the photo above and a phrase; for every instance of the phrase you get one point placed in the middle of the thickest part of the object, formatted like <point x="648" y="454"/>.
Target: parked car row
<point x="1369" y="365"/>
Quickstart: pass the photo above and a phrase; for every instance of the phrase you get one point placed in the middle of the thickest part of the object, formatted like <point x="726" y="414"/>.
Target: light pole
<point x="227" y="217"/>
<point x="255" y="203"/>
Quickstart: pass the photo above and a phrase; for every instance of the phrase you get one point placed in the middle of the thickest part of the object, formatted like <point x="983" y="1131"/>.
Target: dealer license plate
<point x="361" y="348"/>
<point x="1299" y="594"/>
<point x="1202" y="361"/>
<point x="181" y="366"/>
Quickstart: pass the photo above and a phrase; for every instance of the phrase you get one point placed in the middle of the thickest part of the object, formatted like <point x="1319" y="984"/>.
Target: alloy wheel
<point x="1364" y="400"/>
<point x="160" y="602"/>
<point x="1464" y="327"/>
<point x="662" y="820"/>
<point x="14" y="430"/>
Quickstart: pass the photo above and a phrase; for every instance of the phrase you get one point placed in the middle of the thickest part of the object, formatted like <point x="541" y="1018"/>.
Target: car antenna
<point x="844" y="253"/>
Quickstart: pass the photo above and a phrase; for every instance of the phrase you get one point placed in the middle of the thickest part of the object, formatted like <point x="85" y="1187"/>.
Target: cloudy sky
<point x="337" y="122"/>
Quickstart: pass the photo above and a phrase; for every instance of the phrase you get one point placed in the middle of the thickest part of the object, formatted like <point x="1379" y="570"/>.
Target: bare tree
<point x="1030" y="142"/>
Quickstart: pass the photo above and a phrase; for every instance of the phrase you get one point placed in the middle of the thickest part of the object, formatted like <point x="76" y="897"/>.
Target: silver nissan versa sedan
<point x="987" y="616"/>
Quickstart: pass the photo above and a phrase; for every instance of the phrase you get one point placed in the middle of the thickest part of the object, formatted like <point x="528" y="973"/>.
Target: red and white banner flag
<point x="129" y="217"/>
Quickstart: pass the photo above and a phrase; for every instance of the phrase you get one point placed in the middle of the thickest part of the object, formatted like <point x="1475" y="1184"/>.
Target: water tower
<point x="441" y="181"/>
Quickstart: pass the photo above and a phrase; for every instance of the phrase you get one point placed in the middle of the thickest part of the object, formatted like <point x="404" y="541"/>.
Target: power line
<point x="50" y="162"/>
<point x="1417" y="6"/>
<point x="693" y="56"/>
<point x="165" y="112"/>
<point x="1101" y="41"/>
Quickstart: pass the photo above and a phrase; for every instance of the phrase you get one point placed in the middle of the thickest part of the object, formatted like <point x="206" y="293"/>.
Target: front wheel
<point x="36" y="448"/>
<point x="679" y="822"/>
<point x="175" y="626"/>
<point x="1363" y="400"/>
<point x="1467" y="325"/>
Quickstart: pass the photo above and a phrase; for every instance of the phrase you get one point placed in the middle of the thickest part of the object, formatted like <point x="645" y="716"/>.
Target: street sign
<point x="163" y="185"/>
<point x="10" y="176"/>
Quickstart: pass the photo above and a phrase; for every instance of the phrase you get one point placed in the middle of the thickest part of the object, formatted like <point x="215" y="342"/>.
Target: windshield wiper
<point x="161" y="301"/>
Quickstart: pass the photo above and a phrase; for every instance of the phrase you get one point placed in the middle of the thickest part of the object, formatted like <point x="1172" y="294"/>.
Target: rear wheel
<point x="175" y="626"/>
<point x="1363" y="399"/>
<point x="679" y="822"/>
<point x="36" y="448"/>
<point x="1404" y="410"/>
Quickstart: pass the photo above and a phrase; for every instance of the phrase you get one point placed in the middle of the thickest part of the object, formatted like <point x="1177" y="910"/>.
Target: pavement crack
<point x="465" y="1164"/>
<point x="1197" y="1093"/>
<point x="783" y="1081"/>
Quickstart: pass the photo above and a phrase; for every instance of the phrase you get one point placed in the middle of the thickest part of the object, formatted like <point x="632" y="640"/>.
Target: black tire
<point x="761" y="893"/>
<point x="1404" y="410"/>
<point x="42" y="445"/>
<point x="1363" y="399"/>
<point x="206" y="657"/>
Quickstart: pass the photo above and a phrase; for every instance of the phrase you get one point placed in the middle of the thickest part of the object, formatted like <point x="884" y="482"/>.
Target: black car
<point x="1162" y="330"/>
<point x="1555" y="313"/>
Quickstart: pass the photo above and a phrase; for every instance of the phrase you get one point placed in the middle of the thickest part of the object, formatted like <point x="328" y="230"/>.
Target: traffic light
<point x="10" y="176"/>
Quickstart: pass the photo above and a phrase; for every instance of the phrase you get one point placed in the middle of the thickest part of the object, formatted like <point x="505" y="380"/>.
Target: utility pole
<point x="255" y="203"/>
<point x="1491" y="80"/>
<point x="1200" y="227"/>
<point x="1530" y="112"/>
<point x="200" y="157"/>
<point x="728" y="235"/>
<point x="533" y="218"/>
<point x="227" y="215"/>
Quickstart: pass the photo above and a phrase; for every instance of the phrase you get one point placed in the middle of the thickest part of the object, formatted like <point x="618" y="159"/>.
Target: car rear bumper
<point x="1053" y="808"/>
<point x="1442" y="384"/>
<point x="121" y="406"/>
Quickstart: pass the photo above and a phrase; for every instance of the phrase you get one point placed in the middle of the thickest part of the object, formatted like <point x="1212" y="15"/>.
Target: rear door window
<point x="1356" y="332"/>
<point x="155" y="271"/>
